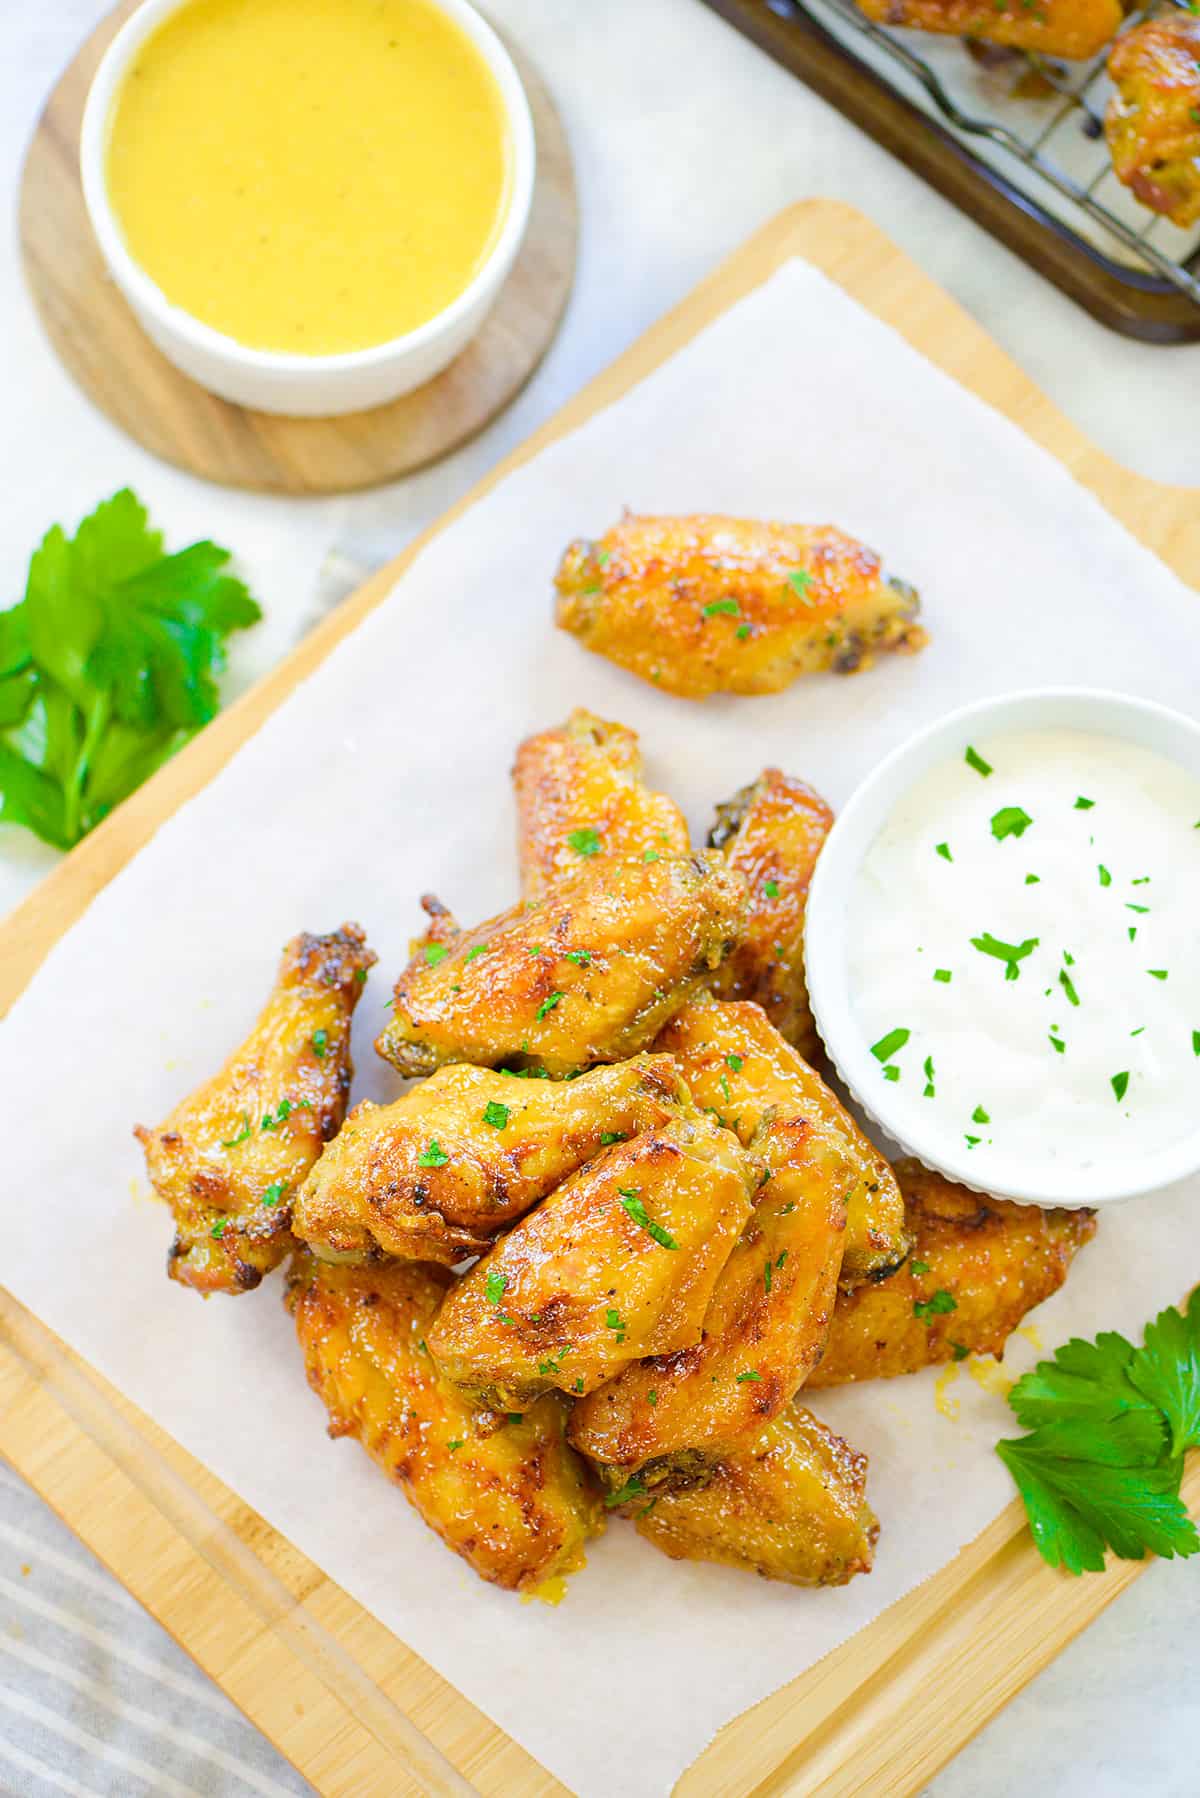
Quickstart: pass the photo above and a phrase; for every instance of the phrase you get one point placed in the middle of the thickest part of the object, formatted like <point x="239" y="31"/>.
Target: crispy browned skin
<point x="620" y="1261"/>
<point x="996" y="1260"/>
<point x="1075" y="29"/>
<point x="772" y="832"/>
<point x="791" y="1508"/>
<point x="581" y="798"/>
<point x="735" y="1062"/>
<point x="507" y="1495"/>
<point x="435" y="1176"/>
<point x="704" y="604"/>
<point x="670" y="1419"/>
<point x="589" y="973"/>
<point x="230" y="1157"/>
<point x="1153" y="120"/>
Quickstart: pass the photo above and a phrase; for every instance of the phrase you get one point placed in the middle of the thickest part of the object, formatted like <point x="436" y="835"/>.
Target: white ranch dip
<point x="1030" y="915"/>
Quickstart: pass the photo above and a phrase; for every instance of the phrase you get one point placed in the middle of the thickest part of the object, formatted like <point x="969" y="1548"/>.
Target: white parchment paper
<point x="384" y="776"/>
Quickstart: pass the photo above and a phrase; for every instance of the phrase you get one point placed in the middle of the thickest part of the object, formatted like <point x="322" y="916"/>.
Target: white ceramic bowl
<point x="271" y="381"/>
<point x="828" y="922"/>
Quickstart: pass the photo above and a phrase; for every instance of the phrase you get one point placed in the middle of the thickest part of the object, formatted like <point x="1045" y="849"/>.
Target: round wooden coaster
<point x="101" y="344"/>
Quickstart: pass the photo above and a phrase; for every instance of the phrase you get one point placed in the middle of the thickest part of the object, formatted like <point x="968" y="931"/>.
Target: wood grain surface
<point x="101" y="344"/>
<point x="356" y="1711"/>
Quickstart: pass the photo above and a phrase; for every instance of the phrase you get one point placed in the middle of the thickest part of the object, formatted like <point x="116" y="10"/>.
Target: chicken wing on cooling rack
<point x="619" y="1262"/>
<point x="229" y="1158"/>
<point x="708" y="604"/>
<point x="977" y="1267"/>
<point x="1153" y="120"/>
<point x="581" y="799"/>
<point x="436" y="1175"/>
<point x="772" y="833"/>
<point x="1074" y="29"/>
<point x="736" y="1063"/>
<point x="505" y="1493"/>
<point x="589" y="973"/>
<point x="669" y="1420"/>
<point x="793" y="1507"/>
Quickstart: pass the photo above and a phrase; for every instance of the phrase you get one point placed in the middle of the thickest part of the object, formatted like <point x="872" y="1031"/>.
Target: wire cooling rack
<point x="1029" y="128"/>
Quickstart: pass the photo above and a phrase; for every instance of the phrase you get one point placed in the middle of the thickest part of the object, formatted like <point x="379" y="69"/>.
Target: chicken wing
<point x="670" y="1419"/>
<point x="772" y="832"/>
<point x="978" y="1266"/>
<point x="620" y="1261"/>
<point x="792" y="1507"/>
<point x="589" y="973"/>
<point x="1153" y="120"/>
<point x="508" y="1495"/>
<point x="710" y="604"/>
<point x="581" y="798"/>
<point x="1075" y="29"/>
<point x="736" y="1064"/>
<point x="230" y="1157"/>
<point x="434" y="1176"/>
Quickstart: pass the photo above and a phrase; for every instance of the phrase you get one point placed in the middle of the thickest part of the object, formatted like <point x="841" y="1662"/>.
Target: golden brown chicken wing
<point x="978" y="1265"/>
<point x="620" y="1261"/>
<point x="736" y="1063"/>
<point x="507" y="1494"/>
<point x="1153" y="120"/>
<point x="434" y="1176"/>
<point x="728" y="605"/>
<point x="670" y="1419"/>
<point x="772" y="833"/>
<point x="230" y="1157"/>
<point x="793" y="1507"/>
<point x="589" y="973"/>
<point x="581" y="799"/>
<point x="1075" y="29"/>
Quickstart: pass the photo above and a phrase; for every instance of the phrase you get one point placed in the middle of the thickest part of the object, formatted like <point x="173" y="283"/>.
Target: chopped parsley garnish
<point x="771" y="889"/>
<point x="581" y="957"/>
<point x="1142" y="881"/>
<point x="918" y="1267"/>
<point x="889" y="1045"/>
<point x="1084" y="805"/>
<point x="767" y="1271"/>
<point x="1138" y="1031"/>
<point x="633" y="1488"/>
<point x="1068" y="986"/>
<point x="610" y="1136"/>
<point x="735" y="1063"/>
<point x="552" y="1366"/>
<point x="1120" y="1084"/>
<point x="1196" y="1042"/>
<point x="495" y="1114"/>
<point x="479" y="949"/>
<point x="743" y="1377"/>
<point x="649" y="855"/>
<point x="435" y="952"/>
<point x="1157" y="973"/>
<point x="974" y="760"/>
<point x="800" y="580"/>
<point x="434" y="1156"/>
<point x="944" y="975"/>
<point x="929" y="1092"/>
<point x="493" y="1287"/>
<point x="1009" y="953"/>
<point x="283" y="1111"/>
<point x="1105" y="876"/>
<point x="1056" y="1042"/>
<point x="633" y="1205"/>
<point x="218" y="1229"/>
<point x="274" y="1193"/>
<point x="613" y="1319"/>
<point x="717" y="606"/>
<point x="980" y="1116"/>
<point x="459" y="1442"/>
<point x="742" y="632"/>
<point x="652" y="1397"/>
<point x="1138" y="908"/>
<point x="320" y="1042"/>
<point x="973" y="1142"/>
<point x="943" y="849"/>
<point x="242" y="1134"/>
<point x="548" y="1005"/>
<point x="1010" y="821"/>
<point x="723" y="1083"/>
<point x="1133" y="933"/>
<point x="584" y="842"/>
<point x="1032" y="880"/>
<point x="939" y="1305"/>
<point x="959" y="1350"/>
<point x="891" y="1072"/>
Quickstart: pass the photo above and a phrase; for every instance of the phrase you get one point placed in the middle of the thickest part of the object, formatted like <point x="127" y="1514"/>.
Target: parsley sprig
<point x="1108" y="1427"/>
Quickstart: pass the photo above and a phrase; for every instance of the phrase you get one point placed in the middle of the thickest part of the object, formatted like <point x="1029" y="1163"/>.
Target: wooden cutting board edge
<point x="332" y="1688"/>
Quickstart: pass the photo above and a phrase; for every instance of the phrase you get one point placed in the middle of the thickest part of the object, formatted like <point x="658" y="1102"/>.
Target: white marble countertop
<point x="686" y="139"/>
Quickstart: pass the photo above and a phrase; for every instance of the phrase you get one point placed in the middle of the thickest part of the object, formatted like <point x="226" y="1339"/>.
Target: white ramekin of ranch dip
<point x="1003" y="946"/>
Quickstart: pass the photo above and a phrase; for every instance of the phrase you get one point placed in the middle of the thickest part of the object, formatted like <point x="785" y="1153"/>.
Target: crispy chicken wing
<point x="620" y="1261"/>
<point x="793" y="1507"/>
<point x="772" y="832"/>
<point x="589" y="973"/>
<point x="435" y="1176"/>
<point x="736" y="1063"/>
<point x="710" y="604"/>
<point x="977" y="1266"/>
<point x="508" y="1495"/>
<point x="1153" y="120"/>
<point x="581" y="798"/>
<point x="230" y="1157"/>
<point x="1075" y="29"/>
<point x="670" y="1419"/>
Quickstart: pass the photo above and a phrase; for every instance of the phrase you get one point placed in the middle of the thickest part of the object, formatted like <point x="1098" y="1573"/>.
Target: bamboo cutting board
<point x="355" y="1710"/>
